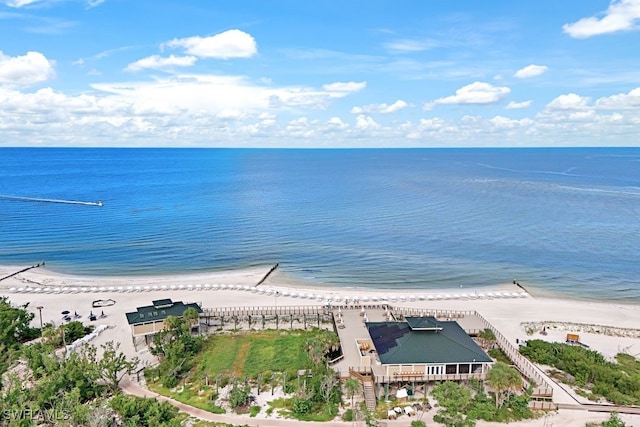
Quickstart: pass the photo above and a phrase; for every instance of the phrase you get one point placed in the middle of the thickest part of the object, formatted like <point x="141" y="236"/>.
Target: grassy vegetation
<point x="595" y="376"/>
<point x="233" y="357"/>
<point x="190" y="396"/>
<point x="251" y="353"/>
<point x="499" y="355"/>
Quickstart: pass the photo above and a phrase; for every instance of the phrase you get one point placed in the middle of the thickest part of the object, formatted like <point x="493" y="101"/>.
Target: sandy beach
<point x="506" y="306"/>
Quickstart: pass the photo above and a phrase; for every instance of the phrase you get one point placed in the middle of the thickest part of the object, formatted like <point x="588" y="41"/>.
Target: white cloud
<point x="345" y="87"/>
<point x="569" y="101"/>
<point x="406" y="45"/>
<point x="25" y="70"/>
<point x="474" y="93"/>
<point x="229" y="44"/>
<point x="622" y="101"/>
<point x="518" y="105"/>
<point x="621" y="15"/>
<point x="159" y="62"/>
<point x="380" y="108"/>
<point x="530" y="71"/>
<point x="337" y="123"/>
<point x="502" y="122"/>
<point x="366" y="122"/>
<point x="20" y="3"/>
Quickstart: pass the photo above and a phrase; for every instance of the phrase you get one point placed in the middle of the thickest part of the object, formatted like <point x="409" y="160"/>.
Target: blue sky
<point x="319" y="74"/>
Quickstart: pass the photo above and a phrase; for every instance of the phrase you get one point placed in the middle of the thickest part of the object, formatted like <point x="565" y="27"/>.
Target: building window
<point x="451" y="369"/>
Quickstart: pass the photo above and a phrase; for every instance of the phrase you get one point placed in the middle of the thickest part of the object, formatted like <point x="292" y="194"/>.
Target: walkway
<point x="135" y="390"/>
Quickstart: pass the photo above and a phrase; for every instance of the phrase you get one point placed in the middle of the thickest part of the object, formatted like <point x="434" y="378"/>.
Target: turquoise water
<point x="564" y="221"/>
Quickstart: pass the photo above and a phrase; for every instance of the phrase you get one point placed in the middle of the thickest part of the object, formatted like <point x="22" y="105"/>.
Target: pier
<point x="41" y="264"/>
<point x="266" y="276"/>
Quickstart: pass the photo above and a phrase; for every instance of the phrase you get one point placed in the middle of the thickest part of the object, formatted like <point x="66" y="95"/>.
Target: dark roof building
<point x="424" y="340"/>
<point x="150" y="319"/>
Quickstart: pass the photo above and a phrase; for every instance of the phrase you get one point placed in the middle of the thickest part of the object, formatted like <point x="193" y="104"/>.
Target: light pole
<point x="40" y="311"/>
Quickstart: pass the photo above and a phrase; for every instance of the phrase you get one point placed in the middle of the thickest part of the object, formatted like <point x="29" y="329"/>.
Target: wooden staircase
<point x="366" y="379"/>
<point x="369" y="395"/>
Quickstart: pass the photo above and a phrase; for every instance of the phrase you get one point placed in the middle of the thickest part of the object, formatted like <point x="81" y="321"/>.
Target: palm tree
<point x="352" y="386"/>
<point x="192" y="317"/>
<point x="503" y="379"/>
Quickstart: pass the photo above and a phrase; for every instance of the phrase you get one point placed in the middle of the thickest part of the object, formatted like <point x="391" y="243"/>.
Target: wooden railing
<point x="542" y="389"/>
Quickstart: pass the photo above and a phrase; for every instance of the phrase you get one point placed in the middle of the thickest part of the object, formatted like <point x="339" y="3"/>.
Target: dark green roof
<point x="159" y="311"/>
<point x="397" y="343"/>
<point x="423" y="323"/>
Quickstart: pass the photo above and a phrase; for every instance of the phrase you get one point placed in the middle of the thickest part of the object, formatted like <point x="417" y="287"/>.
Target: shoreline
<point x="282" y="279"/>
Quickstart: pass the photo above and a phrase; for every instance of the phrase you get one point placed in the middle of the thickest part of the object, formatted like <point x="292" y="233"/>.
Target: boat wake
<point x="38" y="199"/>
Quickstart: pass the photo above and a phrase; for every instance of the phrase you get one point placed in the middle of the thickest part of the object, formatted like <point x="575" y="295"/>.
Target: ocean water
<point x="562" y="221"/>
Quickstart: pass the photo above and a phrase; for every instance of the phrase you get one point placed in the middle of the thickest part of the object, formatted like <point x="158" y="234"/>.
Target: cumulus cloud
<point x="502" y="122"/>
<point x="474" y="93"/>
<point x="530" y="71"/>
<point x="25" y="70"/>
<point x="622" y="101"/>
<point x="518" y="105"/>
<point x="621" y="15"/>
<point x="569" y="101"/>
<point x="229" y="44"/>
<point x="366" y="122"/>
<point x="380" y="108"/>
<point x="159" y="62"/>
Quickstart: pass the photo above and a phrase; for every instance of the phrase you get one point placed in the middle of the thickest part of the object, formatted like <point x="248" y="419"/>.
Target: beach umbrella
<point x="429" y="297"/>
<point x="412" y="297"/>
<point x="480" y="295"/>
<point x="198" y="286"/>
<point x="523" y="294"/>
<point x="421" y="297"/>
<point x="65" y="312"/>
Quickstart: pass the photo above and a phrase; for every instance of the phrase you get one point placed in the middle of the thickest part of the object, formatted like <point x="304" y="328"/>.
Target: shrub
<point x="254" y="410"/>
<point x="348" y="415"/>
<point x="301" y="406"/>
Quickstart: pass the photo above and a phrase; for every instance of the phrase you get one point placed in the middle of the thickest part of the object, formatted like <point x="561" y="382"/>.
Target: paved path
<point x="136" y="390"/>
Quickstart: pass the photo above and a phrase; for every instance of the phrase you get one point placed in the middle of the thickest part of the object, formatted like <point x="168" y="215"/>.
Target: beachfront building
<point x="423" y="347"/>
<point x="407" y="353"/>
<point x="148" y="320"/>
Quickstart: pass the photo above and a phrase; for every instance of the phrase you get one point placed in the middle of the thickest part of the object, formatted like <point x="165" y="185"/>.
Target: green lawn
<point x="250" y="353"/>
